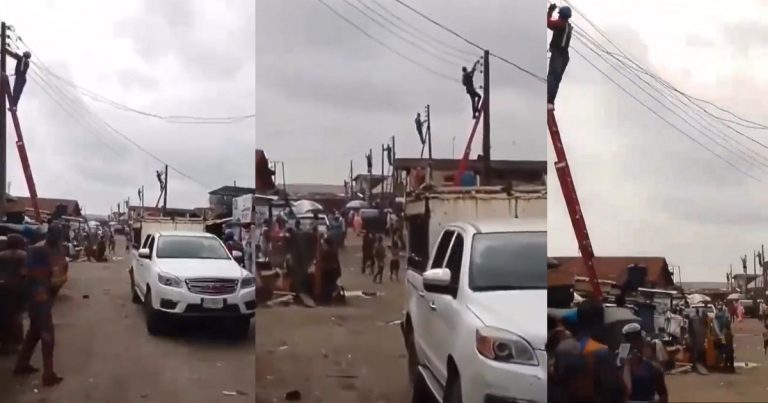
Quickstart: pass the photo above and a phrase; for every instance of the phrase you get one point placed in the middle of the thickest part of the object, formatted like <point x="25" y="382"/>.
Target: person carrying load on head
<point x="558" y="50"/>
<point x="468" y="81"/>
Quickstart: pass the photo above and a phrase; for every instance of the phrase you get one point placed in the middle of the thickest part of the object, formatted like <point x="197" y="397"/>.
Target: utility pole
<point x="429" y="143"/>
<point x="381" y="188"/>
<point x="165" y="191"/>
<point x="351" y="186"/>
<point x="486" y="178"/>
<point x="369" y="161"/>
<point x="141" y="199"/>
<point x="3" y="126"/>
<point x="394" y="175"/>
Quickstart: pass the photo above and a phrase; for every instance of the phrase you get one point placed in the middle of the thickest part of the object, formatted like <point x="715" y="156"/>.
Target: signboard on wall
<point x="242" y="209"/>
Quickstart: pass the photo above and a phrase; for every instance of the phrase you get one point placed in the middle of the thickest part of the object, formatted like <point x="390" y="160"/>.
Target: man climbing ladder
<point x="558" y="50"/>
<point x="467" y="80"/>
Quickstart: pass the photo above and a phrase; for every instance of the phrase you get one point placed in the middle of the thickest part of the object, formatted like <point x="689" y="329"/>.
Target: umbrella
<point x="356" y="204"/>
<point x="735" y="296"/>
<point x="307" y="206"/>
<point x="695" y="299"/>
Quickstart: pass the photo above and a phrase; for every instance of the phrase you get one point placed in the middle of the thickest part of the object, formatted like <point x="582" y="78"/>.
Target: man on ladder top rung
<point x="558" y="50"/>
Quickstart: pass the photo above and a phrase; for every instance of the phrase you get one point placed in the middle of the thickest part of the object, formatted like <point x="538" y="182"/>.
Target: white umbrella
<point x="695" y="299"/>
<point x="735" y="296"/>
<point x="307" y="206"/>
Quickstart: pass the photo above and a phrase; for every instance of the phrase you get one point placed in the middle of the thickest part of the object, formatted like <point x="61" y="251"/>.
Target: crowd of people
<point x="581" y="369"/>
<point x="26" y="271"/>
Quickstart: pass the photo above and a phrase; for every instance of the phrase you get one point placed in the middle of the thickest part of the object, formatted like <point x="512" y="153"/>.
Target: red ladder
<point x="572" y="202"/>
<point x="22" y="150"/>
<point x="468" y="148"/>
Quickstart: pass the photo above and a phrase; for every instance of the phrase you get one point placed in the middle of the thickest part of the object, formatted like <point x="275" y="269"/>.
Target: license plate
<point x="213" y="303"/>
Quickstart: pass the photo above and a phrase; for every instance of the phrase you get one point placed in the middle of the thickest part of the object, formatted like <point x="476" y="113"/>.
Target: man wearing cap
<point x="643" y="377"/>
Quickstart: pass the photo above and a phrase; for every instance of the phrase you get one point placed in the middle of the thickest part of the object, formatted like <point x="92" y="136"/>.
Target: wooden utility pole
<point x="394" y="175"/>
<point x="486" y="103"/>
<point x="165" y="191"/>
<point x="369" y="163"/>
<point x="429" y="143"/>
<point x="381" y="188"/>
<point x="3" y="126"/>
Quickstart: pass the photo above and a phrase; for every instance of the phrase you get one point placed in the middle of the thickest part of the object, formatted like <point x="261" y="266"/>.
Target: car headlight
<point x="169" y="281"/>
<point x="503" y="346"/>
<point x="248" y="282"/>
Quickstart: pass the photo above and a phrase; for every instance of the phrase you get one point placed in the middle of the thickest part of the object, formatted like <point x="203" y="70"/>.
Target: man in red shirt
<point x="558" y="50"/>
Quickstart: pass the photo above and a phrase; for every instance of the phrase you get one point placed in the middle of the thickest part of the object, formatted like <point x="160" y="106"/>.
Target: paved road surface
<point x="747" y="385"/>
<point x="105" y="354"/>
<point x="315" y="350"/>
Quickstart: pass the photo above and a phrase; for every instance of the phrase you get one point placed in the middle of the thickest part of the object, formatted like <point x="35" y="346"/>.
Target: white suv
<point x="475" y="325"/>
<point x="191" y="274"/>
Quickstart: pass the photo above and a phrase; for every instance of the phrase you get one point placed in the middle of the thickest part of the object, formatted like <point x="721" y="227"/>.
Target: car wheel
<point x="413" y="361"/>
<point x="134" y="295"/>
<point x="420" y="392"/>
<point x="453" y="389"/>
<point x="151" y="315"/>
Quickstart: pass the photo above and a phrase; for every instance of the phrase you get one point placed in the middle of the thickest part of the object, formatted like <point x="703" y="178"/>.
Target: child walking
<point x="380" y="253"/>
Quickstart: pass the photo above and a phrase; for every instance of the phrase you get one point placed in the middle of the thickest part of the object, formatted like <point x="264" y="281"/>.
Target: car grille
<point x="212" y="286"/>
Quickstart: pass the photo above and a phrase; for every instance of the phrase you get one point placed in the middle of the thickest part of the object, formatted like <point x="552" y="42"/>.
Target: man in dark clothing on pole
<point x="420" y="127"/>
<point x="20" y="77"/>
<point x="41" y="260"/>
<point x="558" y="50"/>
<point x="467" y="80"/>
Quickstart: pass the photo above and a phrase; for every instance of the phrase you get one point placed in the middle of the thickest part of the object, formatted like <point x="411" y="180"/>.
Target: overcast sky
<point x="646" y="189"/>
<point x="170" y="57"/>
<point x="326" y="93"/>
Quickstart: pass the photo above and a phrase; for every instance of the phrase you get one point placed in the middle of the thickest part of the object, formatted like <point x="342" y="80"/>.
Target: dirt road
<point x="748" y="384"/>
<point x="104" y="353"/>
<point x="335" y="354"/>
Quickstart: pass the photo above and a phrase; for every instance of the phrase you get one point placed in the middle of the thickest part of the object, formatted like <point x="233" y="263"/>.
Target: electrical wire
<point x="184" y="119"/>
<point x="754" y="125"/>
<point x="384" y="44"/>
<point x="397" y="34"/>
<point x="660" y="116"/>
<point x="463" y="38"/>
<point x="43" y="68"/>
<point x="418" y="32"/>
<point x="744" y="156"/>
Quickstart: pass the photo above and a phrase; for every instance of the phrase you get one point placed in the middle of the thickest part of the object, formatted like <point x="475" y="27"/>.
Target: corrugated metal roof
<point x="612" y="268"/>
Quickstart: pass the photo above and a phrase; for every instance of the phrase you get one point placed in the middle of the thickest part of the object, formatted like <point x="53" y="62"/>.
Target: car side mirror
<point x="437" y="281"/>
<point x="144" y="253"/>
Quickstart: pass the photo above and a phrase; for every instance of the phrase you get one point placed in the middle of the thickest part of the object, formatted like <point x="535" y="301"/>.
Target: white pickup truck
<point x="474" y="326"/>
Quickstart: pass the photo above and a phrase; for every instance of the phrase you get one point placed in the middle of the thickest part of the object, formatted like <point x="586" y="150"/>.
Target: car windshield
<point x="190" y="247"/>
<point x="508" y="261"/>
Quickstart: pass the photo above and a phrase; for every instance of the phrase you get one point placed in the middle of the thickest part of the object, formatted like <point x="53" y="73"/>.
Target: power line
<point x="186" y="119"/>
<point x="397" y="34"/>
<point x="604" y="35"/>
<point x="463" y="38"/>
<point x="383" y="44"/>
<point x="702" y="145"/>
<point x="117" y="132"/>
<point x="459" y="51"/>
<point x="748" y="158"/>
